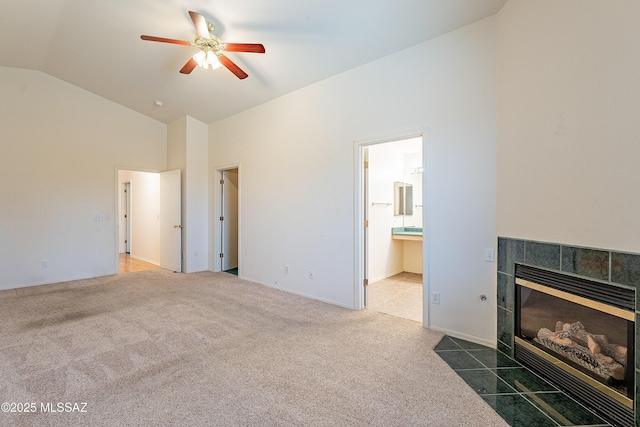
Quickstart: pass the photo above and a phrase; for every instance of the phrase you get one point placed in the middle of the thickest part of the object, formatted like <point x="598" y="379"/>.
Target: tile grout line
<point x="567" y="423"/>
<point x="489" y="369"/>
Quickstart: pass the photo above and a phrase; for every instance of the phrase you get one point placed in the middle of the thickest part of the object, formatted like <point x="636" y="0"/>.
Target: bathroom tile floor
<point x="520" y="397"/>
<point x="399" y="295"/>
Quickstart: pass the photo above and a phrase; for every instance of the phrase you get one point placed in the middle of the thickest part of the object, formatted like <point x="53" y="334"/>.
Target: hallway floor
<point x="399" y="295"/>
<point x="132" y="265"/>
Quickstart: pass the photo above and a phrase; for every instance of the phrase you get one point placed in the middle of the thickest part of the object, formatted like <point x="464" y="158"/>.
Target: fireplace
<point x="579" y="334"/>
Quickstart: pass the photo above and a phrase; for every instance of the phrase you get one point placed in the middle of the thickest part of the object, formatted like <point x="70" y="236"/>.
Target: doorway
<point x="127" y="263"/>
<point x="229" y="222"/>
<point x="393" y="226"/>
<point x="149" y="226"/>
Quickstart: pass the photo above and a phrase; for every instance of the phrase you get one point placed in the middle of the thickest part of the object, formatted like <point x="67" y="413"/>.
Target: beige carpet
<point x="208" y="349"/>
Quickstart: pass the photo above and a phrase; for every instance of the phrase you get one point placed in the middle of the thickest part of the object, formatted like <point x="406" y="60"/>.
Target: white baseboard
<point x="302" y="294"/>
<point x="386" y="276"/>
<point x="471" y="338"/>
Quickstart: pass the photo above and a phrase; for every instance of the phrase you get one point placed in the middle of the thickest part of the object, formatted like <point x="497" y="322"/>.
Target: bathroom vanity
<point x="411" y="247"/>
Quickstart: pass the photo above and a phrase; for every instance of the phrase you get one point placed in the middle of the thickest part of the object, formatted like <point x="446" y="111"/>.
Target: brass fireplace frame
<point x="605" y="308"/>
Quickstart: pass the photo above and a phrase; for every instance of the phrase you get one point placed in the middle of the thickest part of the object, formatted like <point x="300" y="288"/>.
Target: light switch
<point x="488" y="254"/>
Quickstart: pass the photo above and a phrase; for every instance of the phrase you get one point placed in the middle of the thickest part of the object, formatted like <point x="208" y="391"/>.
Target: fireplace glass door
<point x="592" y="338"/>
<point x="588" y="339"/>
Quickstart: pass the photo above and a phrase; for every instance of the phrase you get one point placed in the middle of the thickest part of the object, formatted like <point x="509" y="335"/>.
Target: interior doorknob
<point x="177" y="226"/>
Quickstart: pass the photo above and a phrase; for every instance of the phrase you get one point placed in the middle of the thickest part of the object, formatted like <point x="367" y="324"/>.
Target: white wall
<point x="188" y="151"/>
<point x="569" y="103"/>
<point x="60" y="147"/>
<point x="413" y="160"/>
<point x="297" y="190"/>
<point x="197" y="197"/>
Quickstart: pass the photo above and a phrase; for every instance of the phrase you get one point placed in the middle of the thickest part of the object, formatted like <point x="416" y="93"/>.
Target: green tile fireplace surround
<point x="612" y="267"/>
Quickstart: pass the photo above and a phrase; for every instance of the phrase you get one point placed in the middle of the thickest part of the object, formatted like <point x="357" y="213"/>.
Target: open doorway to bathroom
<point x="393" y="205"/>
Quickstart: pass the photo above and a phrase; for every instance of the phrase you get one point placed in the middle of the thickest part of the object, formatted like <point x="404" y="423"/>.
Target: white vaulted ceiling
<point x="96" y="45"/>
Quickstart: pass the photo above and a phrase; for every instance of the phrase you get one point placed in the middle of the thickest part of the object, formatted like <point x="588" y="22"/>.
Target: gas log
<point x="598" y="363"/>
<point x="595" y="343"/>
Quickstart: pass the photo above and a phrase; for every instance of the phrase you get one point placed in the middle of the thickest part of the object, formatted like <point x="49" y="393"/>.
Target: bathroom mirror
<point x="403" y="198"/>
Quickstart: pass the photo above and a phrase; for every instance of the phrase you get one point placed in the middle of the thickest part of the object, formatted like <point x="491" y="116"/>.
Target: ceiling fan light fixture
<point x="207" y="60"/>
<point x="201" y="58"/>
<point x="213" y="60"/>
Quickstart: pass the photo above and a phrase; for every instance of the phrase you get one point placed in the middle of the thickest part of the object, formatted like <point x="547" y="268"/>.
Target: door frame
<point x="217" y="224"/>
<point x="360" y="210"/>
<point x="126" y="210"/>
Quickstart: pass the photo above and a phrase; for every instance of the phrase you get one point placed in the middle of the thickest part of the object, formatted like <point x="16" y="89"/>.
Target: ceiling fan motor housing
<point x="212" y="44"/>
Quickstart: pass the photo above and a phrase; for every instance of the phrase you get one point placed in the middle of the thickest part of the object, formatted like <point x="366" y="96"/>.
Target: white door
<point x="229" y="219"/>
<point x="171" y="221"/>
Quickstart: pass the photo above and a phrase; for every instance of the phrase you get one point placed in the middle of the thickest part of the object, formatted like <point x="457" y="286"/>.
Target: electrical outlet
<point x="45" y="263"/>
<point x="286" y="269"/>
<point x="435" y="297"/>
<point x="312" y="275"/>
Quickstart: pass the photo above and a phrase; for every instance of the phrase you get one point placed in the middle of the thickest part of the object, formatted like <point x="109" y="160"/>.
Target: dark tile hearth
<point x="520" y="397"/>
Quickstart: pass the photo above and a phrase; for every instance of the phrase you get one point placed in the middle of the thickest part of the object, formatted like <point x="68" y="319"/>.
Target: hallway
<point x="127" y="264"/>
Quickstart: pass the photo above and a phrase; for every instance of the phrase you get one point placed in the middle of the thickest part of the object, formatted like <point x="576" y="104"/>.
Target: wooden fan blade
<point x="232" y="67"/>
<point x="189" y="66"/>
<point x="201" y="24"/>
<point x="244" y="47"/>
<point x="164" y="40"/>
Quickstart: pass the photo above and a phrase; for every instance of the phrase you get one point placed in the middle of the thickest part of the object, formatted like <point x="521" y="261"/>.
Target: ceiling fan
<point x="211" y="54"/>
